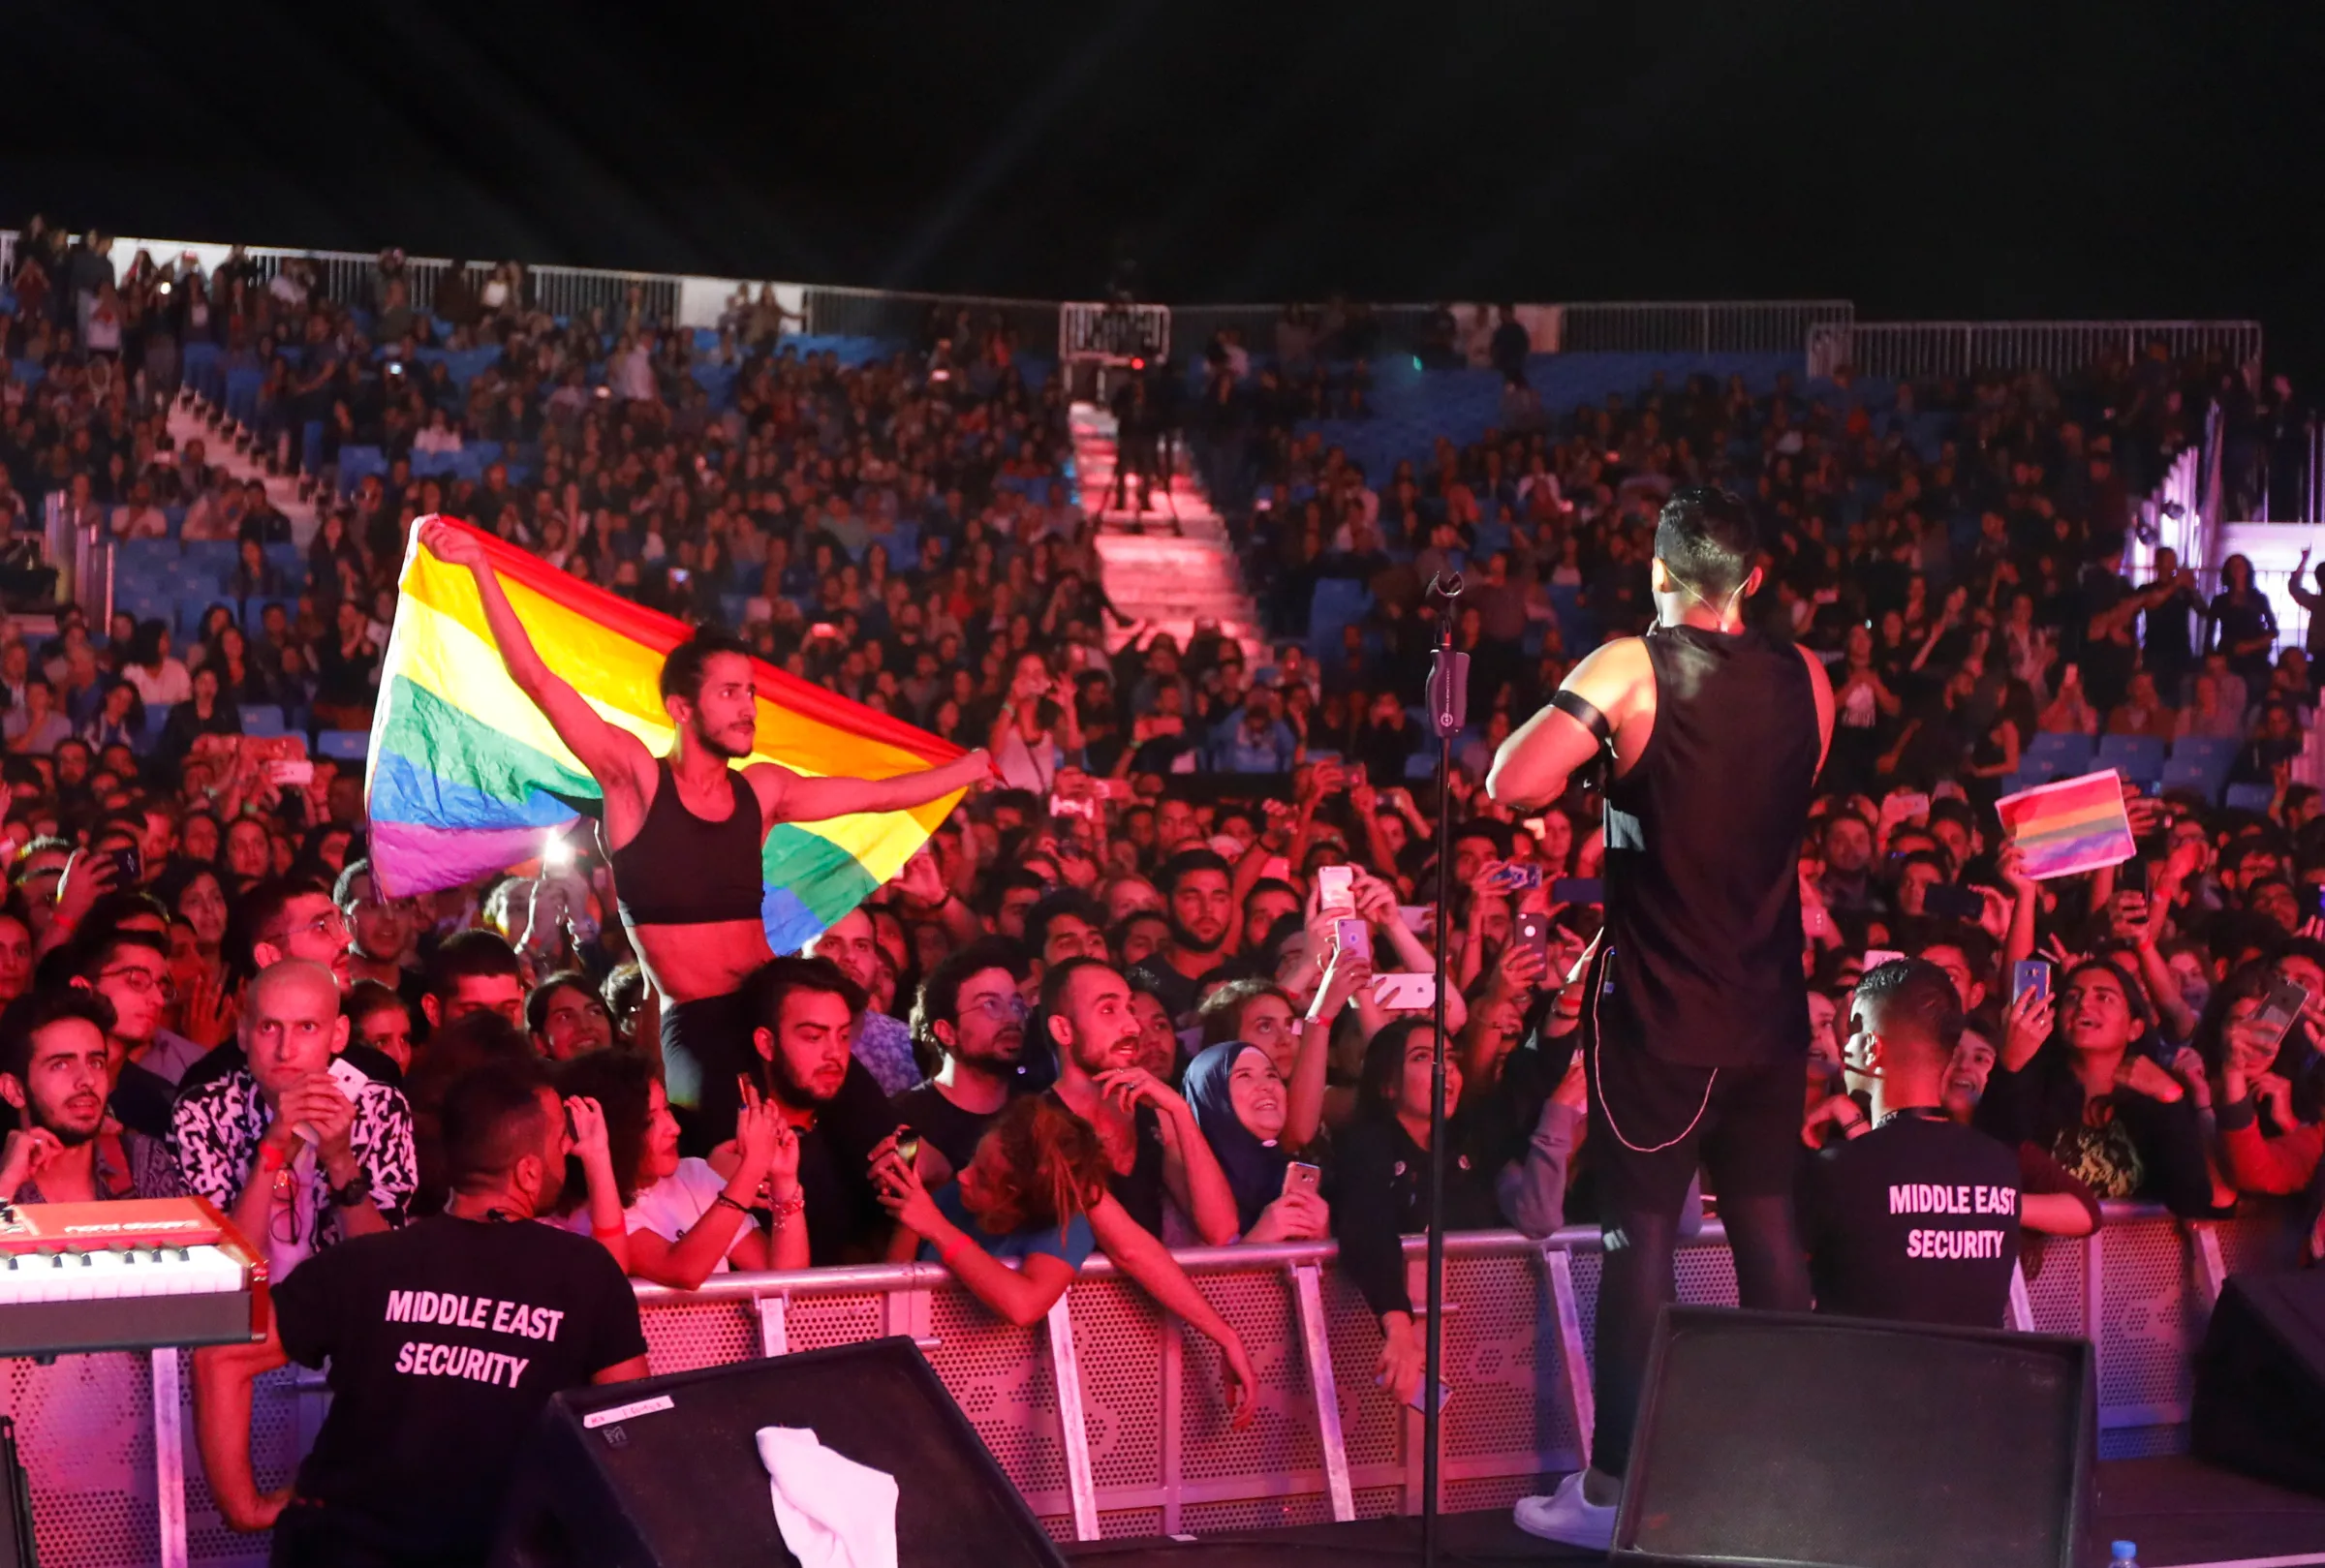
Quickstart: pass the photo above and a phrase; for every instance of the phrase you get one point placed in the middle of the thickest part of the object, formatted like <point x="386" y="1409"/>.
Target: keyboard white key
<point x="103" y="1275"/>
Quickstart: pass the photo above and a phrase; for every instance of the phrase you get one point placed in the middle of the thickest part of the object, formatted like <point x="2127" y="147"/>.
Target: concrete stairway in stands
<point x="193" y="418"/>
<point x="1170" y="565"/>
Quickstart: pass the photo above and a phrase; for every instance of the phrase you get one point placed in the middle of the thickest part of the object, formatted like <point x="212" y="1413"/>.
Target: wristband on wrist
<point x="272" y="1158"/>
<point x="609" y="1230"/>
<point x="723" y="1199"/>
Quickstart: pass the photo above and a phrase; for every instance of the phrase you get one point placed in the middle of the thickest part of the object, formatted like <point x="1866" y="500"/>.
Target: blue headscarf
<point x="1254" y="1169"/>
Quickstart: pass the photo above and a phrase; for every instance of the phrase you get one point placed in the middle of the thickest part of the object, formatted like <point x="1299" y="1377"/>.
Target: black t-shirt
<point x="953" y="1131"/>
<point x="1178" y="994"/>
<point x="142" y="1100"/>
<point x="445" y="1339"/>
<point x="835" y="1169"/>
<point x="1140" y="1190"/>
<point x="1916" y="1221"/>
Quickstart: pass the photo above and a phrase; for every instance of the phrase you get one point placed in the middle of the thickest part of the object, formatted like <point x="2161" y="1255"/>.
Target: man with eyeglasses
<point x="294" y="917"/>
<point x="969" y="1030"/>
<point x="379" y="928"/>
<point x="285" y="920"/>
<point x="302" y="1149"/>
<point x="131" y="970"/>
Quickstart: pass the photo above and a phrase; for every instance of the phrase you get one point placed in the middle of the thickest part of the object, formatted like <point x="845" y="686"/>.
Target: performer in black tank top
<point x="1695" y="1018"/>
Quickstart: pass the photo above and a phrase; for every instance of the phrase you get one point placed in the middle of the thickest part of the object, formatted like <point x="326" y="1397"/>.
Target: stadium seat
<point x="2069" y="754"/>
<point x="2249" y="797"/>
<point x="263" y="719"/>
<point x="1421" y="765"/>
<point x="2210" y="747"/>
<point x="342" y="744"/>
<point x="2137" y="757"/>
<point x="2196" y="773"/>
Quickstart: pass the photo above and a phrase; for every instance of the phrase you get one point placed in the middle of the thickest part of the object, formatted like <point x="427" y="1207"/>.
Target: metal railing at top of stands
<point x="1664" y="327"/>
<point x="1116" y="333"/>
<point x="1107" y="1418"/>
<point x="1905" y="349"/>
<point x="1698" y="326"/>
<point x="905" y="315"/>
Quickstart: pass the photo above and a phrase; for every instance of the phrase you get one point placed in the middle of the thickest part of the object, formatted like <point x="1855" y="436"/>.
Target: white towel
<point x="833" y="1512"/>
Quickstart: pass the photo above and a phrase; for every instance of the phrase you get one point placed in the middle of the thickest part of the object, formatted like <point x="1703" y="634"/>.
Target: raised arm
<point x="794" y="797"/>
<point x="613" y="756"/>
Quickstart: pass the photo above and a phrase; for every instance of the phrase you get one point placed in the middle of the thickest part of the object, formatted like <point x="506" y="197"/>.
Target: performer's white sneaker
<point x="1566" y="1516"/>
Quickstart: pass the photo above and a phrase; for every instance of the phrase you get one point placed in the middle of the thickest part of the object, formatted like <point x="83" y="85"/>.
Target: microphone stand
<point x="1449" y="712"/>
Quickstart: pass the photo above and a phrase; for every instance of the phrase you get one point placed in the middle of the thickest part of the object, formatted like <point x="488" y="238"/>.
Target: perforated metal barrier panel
<point x="1162" y="1457"/>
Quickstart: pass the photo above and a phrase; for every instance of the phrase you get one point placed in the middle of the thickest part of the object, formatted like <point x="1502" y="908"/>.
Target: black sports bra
<point x="682" y="870"/>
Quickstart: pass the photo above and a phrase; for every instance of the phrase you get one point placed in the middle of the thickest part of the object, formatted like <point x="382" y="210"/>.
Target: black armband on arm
<point x="1583" y="711"/>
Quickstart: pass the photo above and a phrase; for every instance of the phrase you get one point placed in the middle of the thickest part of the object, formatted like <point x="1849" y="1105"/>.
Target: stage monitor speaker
<point x="2260" y="1381"/>
<point x="674" y="1481"/>
<point x="1782" y="1440"/>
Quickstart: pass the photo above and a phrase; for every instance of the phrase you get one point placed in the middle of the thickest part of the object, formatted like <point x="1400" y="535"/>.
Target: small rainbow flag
<point x="467" y="777"/>
<point x="2075" y="825"/>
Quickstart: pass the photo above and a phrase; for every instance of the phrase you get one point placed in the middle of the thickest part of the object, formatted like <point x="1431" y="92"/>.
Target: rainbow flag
<point x="467" y="777"/>
<point x="2075" y="825"/>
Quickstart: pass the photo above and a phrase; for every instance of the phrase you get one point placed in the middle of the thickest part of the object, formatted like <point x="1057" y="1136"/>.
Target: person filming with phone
<point x="1697" y="1026"/>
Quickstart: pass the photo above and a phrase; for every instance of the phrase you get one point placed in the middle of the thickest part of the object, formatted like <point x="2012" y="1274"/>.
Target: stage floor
<point x="2178" y="1510"/>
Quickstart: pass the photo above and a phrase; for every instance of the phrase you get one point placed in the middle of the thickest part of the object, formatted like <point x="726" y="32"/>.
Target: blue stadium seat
<point x="263" y="719"/>
<point x="1421" y="765"/>
<point x="342" y="744"/>
<point x="2069" y="754"/>
<point x="2137" y="757"/>
<point x="2249" y="797"/>
<point x="157" y="714"/>
<point x="2196" y="773"/>
<point x="1337" y="602"/>
<point x="2190" y="748"/>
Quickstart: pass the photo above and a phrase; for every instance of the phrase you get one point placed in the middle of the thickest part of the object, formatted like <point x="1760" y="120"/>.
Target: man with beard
<point x="1152" y="1142"/>
<point x="56" y="1069"/>
<point x="883" y="1044"/>
<point x="971" y="1018"/>
<point x="804" y="1013"/>
<point x="444" y="1339"/>
<point x="683" y="833"/>
<point x="1199" y="900"/>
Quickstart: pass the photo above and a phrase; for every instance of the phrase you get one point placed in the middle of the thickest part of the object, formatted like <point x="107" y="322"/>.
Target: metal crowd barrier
<point x="1109" y="1416"/>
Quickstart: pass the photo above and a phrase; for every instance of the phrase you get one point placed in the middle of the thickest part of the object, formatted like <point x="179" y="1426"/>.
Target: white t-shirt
<point x="673" y="1206"/>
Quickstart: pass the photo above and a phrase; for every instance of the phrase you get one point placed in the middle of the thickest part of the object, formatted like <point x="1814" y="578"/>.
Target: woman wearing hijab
<point x="1240" y="1103"/>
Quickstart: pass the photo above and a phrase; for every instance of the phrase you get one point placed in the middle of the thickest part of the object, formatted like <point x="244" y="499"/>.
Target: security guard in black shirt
<point x="1914" y="1217"/>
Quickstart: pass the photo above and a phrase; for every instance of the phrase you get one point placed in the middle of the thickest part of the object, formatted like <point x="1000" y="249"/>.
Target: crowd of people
<point x="1111" y="1005"/>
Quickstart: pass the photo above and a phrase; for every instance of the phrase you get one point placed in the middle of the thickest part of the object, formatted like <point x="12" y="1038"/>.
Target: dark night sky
<point x="1924" y="159"/>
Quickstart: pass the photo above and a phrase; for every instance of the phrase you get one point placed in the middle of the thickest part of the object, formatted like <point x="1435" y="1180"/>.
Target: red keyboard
<point x="130" y="1276"/>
